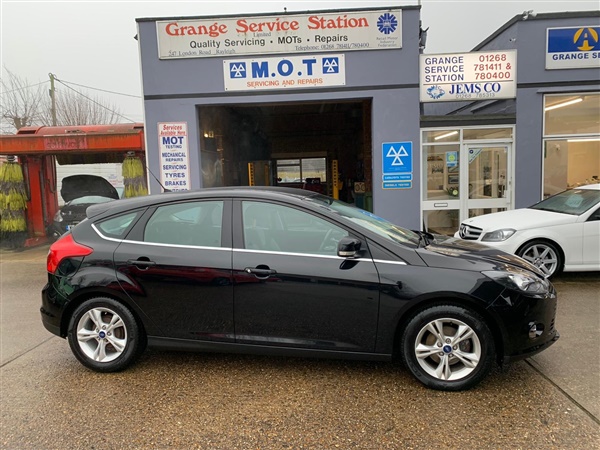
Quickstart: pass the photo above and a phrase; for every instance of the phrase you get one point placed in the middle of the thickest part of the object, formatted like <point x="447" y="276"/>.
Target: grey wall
<point x="174" y="88"/>
<point x="533" y="81"/>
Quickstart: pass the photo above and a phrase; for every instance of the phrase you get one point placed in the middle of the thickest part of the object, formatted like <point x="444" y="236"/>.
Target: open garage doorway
<point x="320" y="146"/>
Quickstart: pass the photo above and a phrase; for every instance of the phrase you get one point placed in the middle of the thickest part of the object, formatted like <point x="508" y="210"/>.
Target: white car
<point x="559" y="233"/>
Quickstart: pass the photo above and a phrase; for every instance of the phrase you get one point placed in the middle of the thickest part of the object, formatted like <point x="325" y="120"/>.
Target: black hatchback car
<point x="289" y="272"/>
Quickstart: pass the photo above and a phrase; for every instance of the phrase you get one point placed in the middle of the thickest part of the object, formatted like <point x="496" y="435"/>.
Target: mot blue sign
<point x="397" y="157"/>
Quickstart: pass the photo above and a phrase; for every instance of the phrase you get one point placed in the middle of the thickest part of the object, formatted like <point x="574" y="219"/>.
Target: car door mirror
<point x="348" y="247"/>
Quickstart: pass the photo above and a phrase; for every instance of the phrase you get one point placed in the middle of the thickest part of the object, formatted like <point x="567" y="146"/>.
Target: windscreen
<point x="367" y="220"/>
<point x="573" y="201"/>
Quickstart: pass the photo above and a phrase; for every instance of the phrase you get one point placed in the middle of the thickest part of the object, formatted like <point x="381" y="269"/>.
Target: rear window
<point x="118" y="227"/>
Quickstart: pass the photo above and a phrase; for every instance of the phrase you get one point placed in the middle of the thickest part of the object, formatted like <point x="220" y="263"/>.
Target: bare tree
<point x="26" y="104"/>
<point x="21" y="101"/>
<point x="75" y="108"/>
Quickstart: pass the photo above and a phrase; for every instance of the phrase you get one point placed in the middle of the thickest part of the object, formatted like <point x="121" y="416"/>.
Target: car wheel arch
<point x="84" y="295"/>
<point x="545" y="240"/>
<point x="450" y="300"/>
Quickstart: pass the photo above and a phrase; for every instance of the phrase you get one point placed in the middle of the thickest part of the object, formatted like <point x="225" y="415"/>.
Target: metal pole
<point x="53" y="99"/>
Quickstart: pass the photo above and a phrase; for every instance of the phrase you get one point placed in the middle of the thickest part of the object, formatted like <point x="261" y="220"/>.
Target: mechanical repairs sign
<point x="468" y="76"/>
<point x="284" y="73"/>
<point x="397" y="165"/>
<point x="573" y="48"/>
<point x="174" y="156"/>
<point x="286" y="33"/>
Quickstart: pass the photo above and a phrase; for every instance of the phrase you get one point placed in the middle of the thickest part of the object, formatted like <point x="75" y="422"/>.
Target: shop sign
<point x="397" y="165"/>
<point x="468" y="76"/>
<point x="284" y="73"/>
<point x="174" y="156"/>
<point x="573" y="48"/>
<point x="285" y="33"/>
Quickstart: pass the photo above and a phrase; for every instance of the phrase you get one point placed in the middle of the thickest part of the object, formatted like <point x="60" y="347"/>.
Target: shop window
<point x="298" y="170"/>
<point x="441" y="136"/>
<point x="570" y="163"/>
<point x="573" y="159"/>
<point x="444" y="222"/>
<point x="472" y="134"/>
<point x="443" y="166"/>
<point x="571" y="114"/>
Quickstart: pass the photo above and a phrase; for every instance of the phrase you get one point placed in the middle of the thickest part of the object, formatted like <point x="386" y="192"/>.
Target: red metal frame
<point x="37" y="148"/>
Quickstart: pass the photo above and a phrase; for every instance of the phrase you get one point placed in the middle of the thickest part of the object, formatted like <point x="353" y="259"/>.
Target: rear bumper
<point x="51" y="312"/>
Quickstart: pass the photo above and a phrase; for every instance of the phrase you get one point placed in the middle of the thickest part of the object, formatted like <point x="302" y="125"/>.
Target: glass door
<point x="462" y="181"/>
<point x="487" y="179"/>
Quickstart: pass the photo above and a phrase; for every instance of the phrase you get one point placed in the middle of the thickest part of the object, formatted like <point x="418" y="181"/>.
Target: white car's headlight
<point x="520" y="281"/>
<point x="498" y="235"/>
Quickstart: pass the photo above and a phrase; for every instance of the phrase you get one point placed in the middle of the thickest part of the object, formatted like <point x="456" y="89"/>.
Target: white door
<point x="487" y="180"/>
<point x="465" y="181"/>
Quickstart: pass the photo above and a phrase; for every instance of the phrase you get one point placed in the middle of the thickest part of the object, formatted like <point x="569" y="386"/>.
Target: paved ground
<point x="192" y="400"/>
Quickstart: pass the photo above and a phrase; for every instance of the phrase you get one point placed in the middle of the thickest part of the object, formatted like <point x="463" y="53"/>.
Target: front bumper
<point x="532" y="351"/>
<point x="520" y="314"/>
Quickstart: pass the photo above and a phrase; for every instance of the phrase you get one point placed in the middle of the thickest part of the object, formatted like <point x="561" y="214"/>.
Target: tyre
<point x="544" y="255"/>
<point x="104" y="336"/>
<point x="448" y="348"/>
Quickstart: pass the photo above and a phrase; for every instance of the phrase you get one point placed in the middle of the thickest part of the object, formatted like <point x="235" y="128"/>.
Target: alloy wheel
<point x="101" y="334"/>
<point x="447" y="349"/>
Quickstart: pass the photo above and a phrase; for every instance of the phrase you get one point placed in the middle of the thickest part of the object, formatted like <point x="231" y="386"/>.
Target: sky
<point x="91" y="43"/>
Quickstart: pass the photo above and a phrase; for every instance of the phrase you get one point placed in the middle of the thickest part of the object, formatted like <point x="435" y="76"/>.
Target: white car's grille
<point x="469" y="232"/>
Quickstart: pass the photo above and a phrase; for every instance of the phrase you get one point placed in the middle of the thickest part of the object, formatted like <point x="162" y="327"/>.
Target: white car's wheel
<point x="544" y="255"/>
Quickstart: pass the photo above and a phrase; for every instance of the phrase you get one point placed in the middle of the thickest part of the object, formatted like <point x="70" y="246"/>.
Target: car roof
<point x="595" y="187"/>
<point x="258" y="192"/>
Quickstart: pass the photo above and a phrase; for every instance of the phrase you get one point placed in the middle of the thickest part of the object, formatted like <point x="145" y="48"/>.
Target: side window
<point x="595" y="216"/>
<point x="192" y="223"/>
<point x="273" y="227"/>
<point x="117" y="227"/>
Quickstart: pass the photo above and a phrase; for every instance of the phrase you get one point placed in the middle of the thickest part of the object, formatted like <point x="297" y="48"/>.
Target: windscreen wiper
<point x="425" y="237"/>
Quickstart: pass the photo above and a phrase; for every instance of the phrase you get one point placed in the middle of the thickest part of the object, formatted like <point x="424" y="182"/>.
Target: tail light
<point x="65" y="247"/>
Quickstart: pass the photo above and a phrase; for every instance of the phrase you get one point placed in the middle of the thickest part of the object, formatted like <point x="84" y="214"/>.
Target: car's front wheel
<point x="104" y="335"/>
<point x="544" y="255"/>
<point x="448" y="347"/>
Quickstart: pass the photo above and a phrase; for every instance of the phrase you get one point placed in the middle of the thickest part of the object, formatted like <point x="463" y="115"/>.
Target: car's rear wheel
<point x="104" y="335"/>
<point x="544" y="255"/>
<point x="448" y="347"/>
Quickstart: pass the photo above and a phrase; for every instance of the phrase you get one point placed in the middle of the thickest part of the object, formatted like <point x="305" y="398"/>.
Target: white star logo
<point x="396" y="154"/>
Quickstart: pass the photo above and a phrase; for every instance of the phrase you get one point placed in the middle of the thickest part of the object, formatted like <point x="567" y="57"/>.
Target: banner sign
<point x="573" y="48"/>
<point x="174" y="156"/>
<point x="285" y="33"/>
<point x="284" y="73"/>
<point x="468" y="76"/>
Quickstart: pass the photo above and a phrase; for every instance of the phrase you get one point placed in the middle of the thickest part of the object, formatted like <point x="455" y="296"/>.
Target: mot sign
<point x="284" y="73"/>
<point x="174" y="156"/>
<point x="468" y="76"/>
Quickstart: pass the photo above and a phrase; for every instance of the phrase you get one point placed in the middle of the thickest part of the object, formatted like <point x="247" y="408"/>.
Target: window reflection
<point x="443" y="167"/>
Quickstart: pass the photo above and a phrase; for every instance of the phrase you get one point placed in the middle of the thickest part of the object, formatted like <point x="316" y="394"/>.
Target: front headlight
<point x="498" y="235"/>
<point x="58" y="216"/>
<point x="520" y="280"/>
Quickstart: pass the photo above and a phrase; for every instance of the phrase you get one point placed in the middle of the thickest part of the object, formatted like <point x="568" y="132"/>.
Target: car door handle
<point x="260" y="272"/>
<point x="141" y="263"/>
